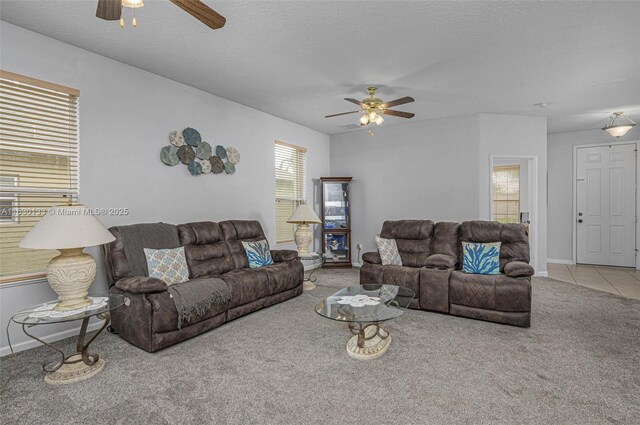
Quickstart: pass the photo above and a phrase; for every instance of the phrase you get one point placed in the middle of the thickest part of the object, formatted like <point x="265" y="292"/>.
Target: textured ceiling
<point x="298" y="59"/>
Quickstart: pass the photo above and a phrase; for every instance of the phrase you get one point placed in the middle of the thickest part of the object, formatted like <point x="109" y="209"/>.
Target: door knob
<point x="580" y="221"/>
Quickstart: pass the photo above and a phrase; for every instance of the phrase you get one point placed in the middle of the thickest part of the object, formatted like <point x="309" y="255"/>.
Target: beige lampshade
<point x="67" y="227"/>
<point x="303" y="215"/>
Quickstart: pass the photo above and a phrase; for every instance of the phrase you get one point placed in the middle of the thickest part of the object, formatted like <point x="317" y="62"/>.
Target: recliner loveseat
<point x="431" y="256"/>
<point x="149" y="319"/>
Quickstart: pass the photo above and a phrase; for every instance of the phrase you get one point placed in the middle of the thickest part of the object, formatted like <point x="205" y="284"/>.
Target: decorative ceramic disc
<point x="176" y="139"/>
<point x="229" y="168"/>
<point x="217" y="166"/>
<point x="233" y="156"/>
<point x="221" y="152"/>
<point x="205" y="165"/>
<point x="191" y="136"/>
<point x="169" y="155"/>
<point x="204" y="151"/>
<point x="186" y="154"/>
<point x="195" y="168"/>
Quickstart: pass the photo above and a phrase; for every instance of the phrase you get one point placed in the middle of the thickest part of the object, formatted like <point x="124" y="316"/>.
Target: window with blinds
<point x="506" y="194"/>
<point x="38" y="165"/>
<point x="291" y="175"/>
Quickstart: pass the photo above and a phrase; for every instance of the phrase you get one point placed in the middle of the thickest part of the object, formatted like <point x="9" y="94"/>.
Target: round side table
<point x="308" y="282"/>
<point x="81" y="364"/>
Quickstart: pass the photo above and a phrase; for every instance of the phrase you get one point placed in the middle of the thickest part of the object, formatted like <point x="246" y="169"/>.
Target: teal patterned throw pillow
<point x="481" y="258"/>
<point x="169" y="265"/>
<point x="258" y="253"/>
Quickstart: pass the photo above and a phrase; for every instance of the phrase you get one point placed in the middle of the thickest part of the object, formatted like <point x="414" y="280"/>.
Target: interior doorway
<point x="605" y="204"/>
<point x="514" y="195"/>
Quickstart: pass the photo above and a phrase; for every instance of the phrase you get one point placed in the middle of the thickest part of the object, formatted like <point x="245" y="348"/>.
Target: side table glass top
<point x="36" y="315"/>
<point x="368" y="303"/>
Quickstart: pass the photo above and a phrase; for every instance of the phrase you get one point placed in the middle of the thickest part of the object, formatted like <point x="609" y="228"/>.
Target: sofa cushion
<point x="413" y="238"/>
<point x="492" y="292"/>
<point x="236" y="231"/>
<point x="481" y="258"/>
<point x="388" y="250"/>
<point x="283" y="276"/>
<point x="408" y="277"/>
<point x="165" y="316"/>
<point x="206" y="250"/>
<point x="441" y="261"/>
<point x="446" y="238"/>
<point x="513" y="237"/>
<point x="518" y="269"/>
<point x="258" y="253"/>
<point x="246" y="285"/>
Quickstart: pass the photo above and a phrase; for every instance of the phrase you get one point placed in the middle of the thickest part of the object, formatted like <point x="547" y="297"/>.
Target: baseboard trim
<point x="356" y="265"/>
<point x="25" y="345"/>
<point x="559" y="261"/>
<point x="312" y="267"/>
<point x="543" y="273"/>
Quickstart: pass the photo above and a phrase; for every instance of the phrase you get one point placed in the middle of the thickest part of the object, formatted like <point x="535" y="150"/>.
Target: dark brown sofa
<point x="150" y="320"/>
<point x="432" y="267"/>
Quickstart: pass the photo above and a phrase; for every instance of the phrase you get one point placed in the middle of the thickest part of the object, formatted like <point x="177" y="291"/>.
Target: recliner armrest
<point x="518" y="269"/>
<point x="282" y="255"/>
<point x="371" y="258"/>
<point x="441" y="261"/>
<point x="141" y="285"/>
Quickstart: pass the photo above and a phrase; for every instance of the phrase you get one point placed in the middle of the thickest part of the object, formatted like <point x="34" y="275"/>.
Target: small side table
<point x="81" y="364"/>
<point x="308" y="283"/>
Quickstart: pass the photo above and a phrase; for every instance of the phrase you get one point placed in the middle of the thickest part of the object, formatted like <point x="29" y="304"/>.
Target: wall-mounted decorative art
<point x="200" y="157"/>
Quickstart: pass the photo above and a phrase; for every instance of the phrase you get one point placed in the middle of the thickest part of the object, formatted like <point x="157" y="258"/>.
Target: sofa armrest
<point x="141" y="285"/>
<point x="441" y="261"/>
<point x="518" y="269"/>
<point x="371" y="258"/>
<point x="282" y="255"/>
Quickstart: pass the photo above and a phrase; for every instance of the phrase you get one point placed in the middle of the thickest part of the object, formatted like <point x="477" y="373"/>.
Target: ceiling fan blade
<point x="109" y="10"/>
<point x="398" y="113"/>
<point x="201" y="12"/>
<point x="401" y="101"/>
<point x="357" y="102"/>
<point x="343" y="113"/>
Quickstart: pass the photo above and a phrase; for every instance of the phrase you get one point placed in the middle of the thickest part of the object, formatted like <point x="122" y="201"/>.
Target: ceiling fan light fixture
<point x="616" y="128"/>
<point x="373" y="116"/>
<point x="364" y="120"/>
<point x="132" y="4"/>
<point x="379" y="120"/>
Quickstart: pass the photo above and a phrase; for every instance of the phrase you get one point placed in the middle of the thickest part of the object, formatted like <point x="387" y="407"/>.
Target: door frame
<point x="533" y="187"/>
<point x="574" y="213"/>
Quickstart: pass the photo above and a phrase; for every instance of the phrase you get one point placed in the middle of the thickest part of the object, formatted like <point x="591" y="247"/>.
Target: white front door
<point x="606" y="205"/>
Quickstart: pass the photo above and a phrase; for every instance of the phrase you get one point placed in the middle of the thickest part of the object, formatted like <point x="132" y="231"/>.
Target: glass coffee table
<point x="364" y="308"/>
<point x="81" y="364"/>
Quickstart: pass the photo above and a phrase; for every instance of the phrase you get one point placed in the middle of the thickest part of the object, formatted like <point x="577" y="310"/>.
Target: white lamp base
<point x="303" y="238"/>
<point x="70" y="275"/>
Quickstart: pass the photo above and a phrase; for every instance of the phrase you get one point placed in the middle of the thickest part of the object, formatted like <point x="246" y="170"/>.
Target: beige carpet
<point x="578" y="364"/>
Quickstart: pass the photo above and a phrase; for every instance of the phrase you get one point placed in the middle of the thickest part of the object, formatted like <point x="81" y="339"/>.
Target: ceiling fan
<point x="111" y="10"/>
<point x="373" y="108"/>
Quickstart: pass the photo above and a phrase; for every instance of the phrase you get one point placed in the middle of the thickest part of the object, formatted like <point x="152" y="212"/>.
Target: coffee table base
<point x="73" y="372"/>
<point x="369" y="342"/>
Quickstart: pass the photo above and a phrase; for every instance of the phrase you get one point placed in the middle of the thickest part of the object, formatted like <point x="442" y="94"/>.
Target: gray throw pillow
<point x="388" y="250"/>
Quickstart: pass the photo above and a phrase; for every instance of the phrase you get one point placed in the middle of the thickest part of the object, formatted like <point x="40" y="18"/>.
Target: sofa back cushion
<point x="413" y="238"/>
<point x="237" y="231"/>
<point x="446" y="239"/>
<point x="205" y="248"/>
<point x="513" y="236"/>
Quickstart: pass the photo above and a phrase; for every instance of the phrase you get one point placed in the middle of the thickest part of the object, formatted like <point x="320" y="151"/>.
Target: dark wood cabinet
<point x="336" y="222"/>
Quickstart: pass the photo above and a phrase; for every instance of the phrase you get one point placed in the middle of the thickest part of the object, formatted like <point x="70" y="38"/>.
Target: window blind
<point x="506" y="194"/>
<point x="291" y="175"/>
<point x="38" y="165"/>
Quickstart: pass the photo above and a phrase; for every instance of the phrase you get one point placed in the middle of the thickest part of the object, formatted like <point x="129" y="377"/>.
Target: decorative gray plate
<point x="176" y="139"/>
<point x="204" y="151"/>
<point x="217" y="166"/>
<point x="229" y="168"/>
<point x="169" y="155"/>
<point x="191" y="136"/>
<point x="195" y="168"/>
<point x="186" y="154"/>
<point x="205" y="165"/>
<point x="221" y="152"/>
<point x="233" y="156"/>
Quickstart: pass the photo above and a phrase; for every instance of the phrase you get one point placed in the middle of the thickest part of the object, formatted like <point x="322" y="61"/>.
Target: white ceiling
<point x="298" y="59"/>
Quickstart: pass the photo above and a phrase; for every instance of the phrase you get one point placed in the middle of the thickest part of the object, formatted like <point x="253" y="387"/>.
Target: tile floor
<point x="616" y="280"/>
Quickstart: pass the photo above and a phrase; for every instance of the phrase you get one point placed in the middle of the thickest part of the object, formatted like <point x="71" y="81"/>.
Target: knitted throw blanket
<point x="195" y="297"/>
<point x="136" y="237"/>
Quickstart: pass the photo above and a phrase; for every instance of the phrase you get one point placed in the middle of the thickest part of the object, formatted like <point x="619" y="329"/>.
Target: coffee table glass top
<point x="41" y="314"/>
<point x="369" y="303"/>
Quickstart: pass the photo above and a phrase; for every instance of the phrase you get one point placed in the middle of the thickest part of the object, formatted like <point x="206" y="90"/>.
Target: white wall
<point x="560" y="153"/>
<point x="437" y="169"/>
<point x="126" y="115"/>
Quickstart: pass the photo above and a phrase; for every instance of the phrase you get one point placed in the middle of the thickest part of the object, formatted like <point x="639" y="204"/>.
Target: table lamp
<point x="69" y="229"/>
<point x="302" y="216"/>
